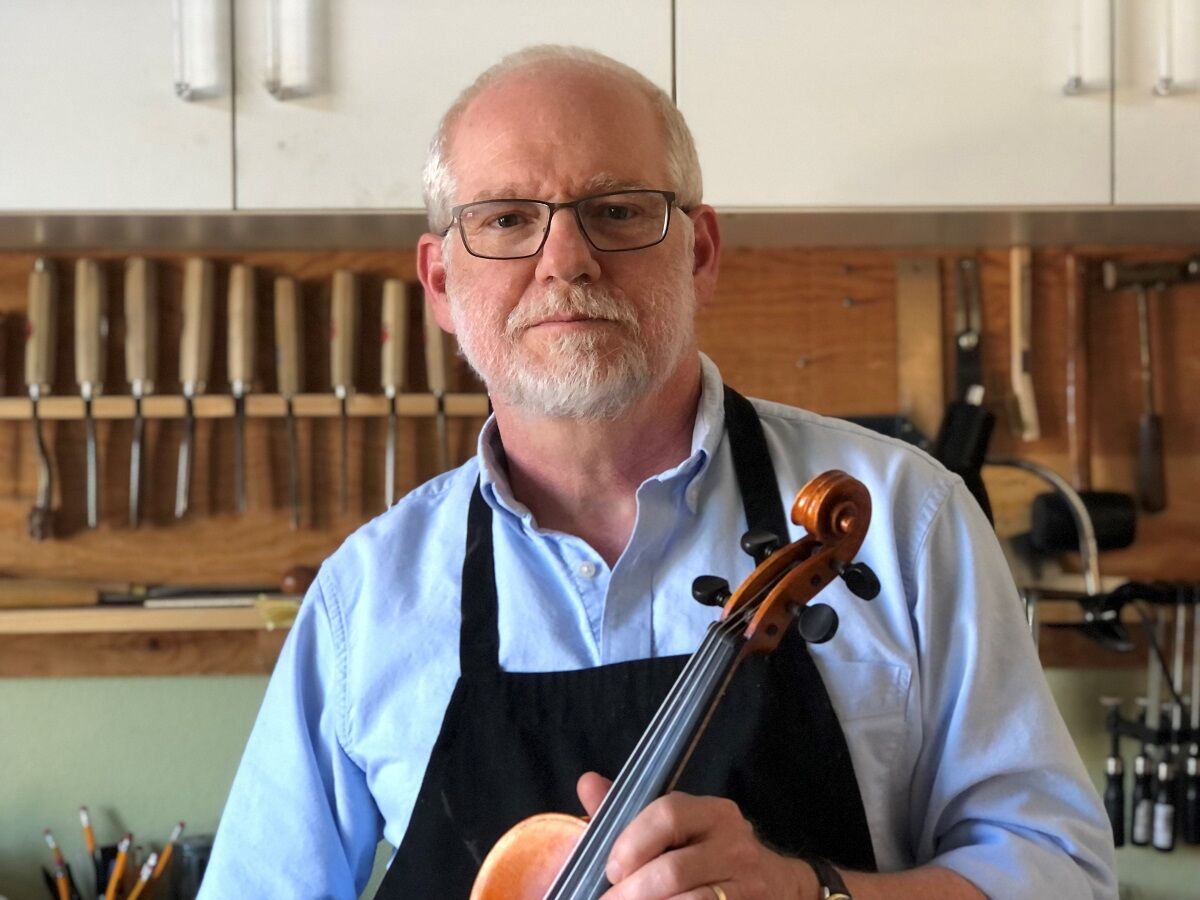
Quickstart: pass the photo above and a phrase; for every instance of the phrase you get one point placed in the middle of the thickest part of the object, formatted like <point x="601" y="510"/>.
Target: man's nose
<point x="567" y="256"/>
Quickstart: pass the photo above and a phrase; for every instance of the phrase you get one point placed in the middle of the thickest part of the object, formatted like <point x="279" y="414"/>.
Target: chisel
<point x="343" y="325"/>
<point x="1114" y="773"/>
<point x="287" y="376"/>
<point x="195" y="360"/>
<point x="1152" y="486"/>
<point x="91" y="329"/>
<point x="241" y="336"/>
<point x="1023" y="410"/>
<point x="395" y="345"/>
<point x="435" y="375"/>
<point x="39" y="375"/>
<point x="1191" y="790"/>
<point x="141" y="362"/>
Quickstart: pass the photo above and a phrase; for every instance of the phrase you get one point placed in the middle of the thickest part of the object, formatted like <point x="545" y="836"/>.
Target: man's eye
<point x="618" y="213"/>
<point x="507" y="220"/>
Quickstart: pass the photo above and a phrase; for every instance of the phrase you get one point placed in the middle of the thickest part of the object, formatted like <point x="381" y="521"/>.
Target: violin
<point x="555" y="856"/>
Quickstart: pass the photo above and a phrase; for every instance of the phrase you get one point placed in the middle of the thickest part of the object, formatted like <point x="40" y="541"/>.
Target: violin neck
<point x="656" y="762"/>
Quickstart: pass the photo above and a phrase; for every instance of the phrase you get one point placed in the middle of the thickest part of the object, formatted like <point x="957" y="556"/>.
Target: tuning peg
<point x="818" y="623"/>
<point x="711" y="590"/>
<point x="760" y="544"/>
<point x="862" y="582"/>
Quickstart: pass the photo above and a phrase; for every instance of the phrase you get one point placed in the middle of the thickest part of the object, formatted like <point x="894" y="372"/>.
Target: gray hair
<point x="683" y="165"/>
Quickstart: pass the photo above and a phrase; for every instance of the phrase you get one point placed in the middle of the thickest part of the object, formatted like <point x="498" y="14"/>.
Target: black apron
<point x="513" y="744"/>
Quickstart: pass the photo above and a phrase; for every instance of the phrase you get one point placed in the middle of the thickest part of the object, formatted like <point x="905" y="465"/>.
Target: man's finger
<point x="670" y="822"/>
<point x="592" y="789"/>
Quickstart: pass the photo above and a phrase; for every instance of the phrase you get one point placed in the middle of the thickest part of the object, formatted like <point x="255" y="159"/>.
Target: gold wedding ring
<point x="717" y="892"/>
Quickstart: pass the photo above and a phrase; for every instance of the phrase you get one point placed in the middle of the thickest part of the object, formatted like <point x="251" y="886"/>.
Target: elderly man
<point x="496" y="641"/>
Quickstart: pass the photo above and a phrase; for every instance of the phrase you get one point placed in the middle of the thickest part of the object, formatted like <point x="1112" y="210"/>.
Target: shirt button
<point x="587" y="569"/>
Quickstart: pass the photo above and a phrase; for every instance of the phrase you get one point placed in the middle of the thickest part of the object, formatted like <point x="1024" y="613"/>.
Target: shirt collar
<point x="707" y="434"/>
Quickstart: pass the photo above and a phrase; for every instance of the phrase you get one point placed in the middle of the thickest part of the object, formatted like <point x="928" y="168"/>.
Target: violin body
<point x="523" y="863"/>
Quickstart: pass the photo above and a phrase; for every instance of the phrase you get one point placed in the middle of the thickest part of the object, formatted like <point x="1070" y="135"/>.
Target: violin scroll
<point x="831" y="507"/>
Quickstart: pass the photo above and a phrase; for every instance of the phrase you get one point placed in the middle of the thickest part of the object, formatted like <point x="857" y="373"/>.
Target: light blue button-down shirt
<point x="960" y="754"/>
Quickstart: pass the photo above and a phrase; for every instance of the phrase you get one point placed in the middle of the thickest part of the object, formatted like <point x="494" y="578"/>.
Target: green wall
<point x="143" y="753"/>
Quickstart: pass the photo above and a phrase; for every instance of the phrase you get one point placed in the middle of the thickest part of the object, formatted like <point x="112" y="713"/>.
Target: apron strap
<point x="753" y="467"/>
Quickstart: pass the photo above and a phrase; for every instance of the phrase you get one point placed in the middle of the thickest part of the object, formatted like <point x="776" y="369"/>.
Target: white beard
<point x="589" y="373"/>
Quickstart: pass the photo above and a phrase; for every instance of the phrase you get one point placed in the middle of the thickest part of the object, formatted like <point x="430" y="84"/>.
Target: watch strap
<point x="831" y="883"/>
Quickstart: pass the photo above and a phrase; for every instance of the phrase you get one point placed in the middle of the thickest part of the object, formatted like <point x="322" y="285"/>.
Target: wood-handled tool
<point x="288" y="366"/>
<point x="393" y="369"/>
<point x="1023" y="407"/>
<point x="91" y="331"/>
<point x="1191" y="787"/>
<point x="435" y="375"/>
<point x="343" y="327"/>
<point x="39" y="378"/>
<point x="195" y="364"/>
<point x="1079" y="435"/>
<point x="141" y="362"/>
<point x="240" y="365"/>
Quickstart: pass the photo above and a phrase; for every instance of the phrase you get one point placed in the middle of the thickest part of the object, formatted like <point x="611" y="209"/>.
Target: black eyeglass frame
<point x="573" y="205"/>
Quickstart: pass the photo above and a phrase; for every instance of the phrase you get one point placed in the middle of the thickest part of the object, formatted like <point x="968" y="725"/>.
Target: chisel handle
<point x="196" y="339"/>
<point x="241" y="328"/>
<point x="394" y="336"/>
<point x="141" y="325"/>
<point x="1114" y="798"/>
<point x="343" y="325"/>
<point x="1191" y="801"/>
<point x="435" y="355"/>
<point x="91" y="326"/>
<point x="288" y="347"/>
<point x="40" y="329"/>
<point x="1151" y="474"/>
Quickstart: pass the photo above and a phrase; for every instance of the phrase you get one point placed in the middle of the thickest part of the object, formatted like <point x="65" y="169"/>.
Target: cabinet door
<point x="91" y="115"/>
<point x="1157" y="135"/>
<point x="878" y="103"/>
<point x="366" y="81"/>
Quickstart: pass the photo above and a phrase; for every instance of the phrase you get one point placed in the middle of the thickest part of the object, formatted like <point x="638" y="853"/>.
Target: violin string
<point x="695" y="683"/>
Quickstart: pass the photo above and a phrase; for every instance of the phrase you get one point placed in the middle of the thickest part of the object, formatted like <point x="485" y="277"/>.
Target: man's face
<point x="572" y="332"/>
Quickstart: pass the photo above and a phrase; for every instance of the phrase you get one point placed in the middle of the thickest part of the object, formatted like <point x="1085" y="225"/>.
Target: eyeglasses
<point x="517" y="229"/>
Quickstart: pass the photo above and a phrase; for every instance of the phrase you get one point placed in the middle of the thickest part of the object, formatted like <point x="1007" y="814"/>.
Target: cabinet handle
<point x="276" y="84"/>
<point x="198" y="27"/>
<point x="1166" y="45"/>
<point x="1081" y="10"/>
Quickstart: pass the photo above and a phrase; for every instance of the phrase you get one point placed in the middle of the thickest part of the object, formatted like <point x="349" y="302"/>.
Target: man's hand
<point x="679" y="846"/>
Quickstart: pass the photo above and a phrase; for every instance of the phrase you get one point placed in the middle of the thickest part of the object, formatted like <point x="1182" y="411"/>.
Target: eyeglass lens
<point x="506" y="229"/>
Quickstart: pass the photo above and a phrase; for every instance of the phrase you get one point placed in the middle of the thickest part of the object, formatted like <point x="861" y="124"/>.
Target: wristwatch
<point x="831" y="884"/>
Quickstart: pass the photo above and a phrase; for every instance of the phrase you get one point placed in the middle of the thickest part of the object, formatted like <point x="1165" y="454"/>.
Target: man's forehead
<point x="599" y="183"/>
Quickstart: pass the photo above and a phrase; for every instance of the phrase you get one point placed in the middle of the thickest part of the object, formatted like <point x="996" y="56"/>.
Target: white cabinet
<point x="1157" y="134"/>
<point x="89" y="110"/>
<point x="875" y="103"/>
<point x="366" y="81"/>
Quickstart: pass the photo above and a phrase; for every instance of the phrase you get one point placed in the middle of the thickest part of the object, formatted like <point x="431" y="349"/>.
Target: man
<point x="511" y="625"/>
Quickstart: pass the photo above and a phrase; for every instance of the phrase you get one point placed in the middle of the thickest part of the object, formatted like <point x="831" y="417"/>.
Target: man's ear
<point x="706" y="252"/>
<point x="431" y="269"/>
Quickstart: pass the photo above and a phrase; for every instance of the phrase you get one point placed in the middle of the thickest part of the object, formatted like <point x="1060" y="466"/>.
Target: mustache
<point x="582" y="300"/>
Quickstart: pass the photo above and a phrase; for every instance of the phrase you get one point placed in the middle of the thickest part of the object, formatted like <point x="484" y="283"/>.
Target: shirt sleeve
<point x="300" y="821"/>
<point x="1000" y="794"/>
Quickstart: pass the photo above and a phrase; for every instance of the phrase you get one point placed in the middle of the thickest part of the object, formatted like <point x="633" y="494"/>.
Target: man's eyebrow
<point x="597" y="184"/>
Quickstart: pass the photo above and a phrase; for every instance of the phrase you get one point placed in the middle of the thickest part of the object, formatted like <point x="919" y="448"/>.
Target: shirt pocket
<point x="870" y="698"/>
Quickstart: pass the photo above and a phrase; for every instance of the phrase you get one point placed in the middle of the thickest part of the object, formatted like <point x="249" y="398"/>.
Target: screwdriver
<point x="195" y="360"/>
<point x="395" y="346"/>
<point x="435" y="375"/>
<point x="1114" y="771"/>
<point x="1164" y="809"/>
<point x="141" y="362"/>
<point x="343" y="325"/>
<point x="1191" y="785"/>
<point x="39" y="369"/>
<point x="241" y="335"/>
<point x="1142" y="800"/>
<point x="91" y="329"/>
<point x="287" y="375"/>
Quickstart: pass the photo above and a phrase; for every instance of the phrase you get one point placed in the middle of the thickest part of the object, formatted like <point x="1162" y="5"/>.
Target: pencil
<point x="144" y="877"/>
<point x="118" y="872"/>
<point x="53" y="845"/>
<point x="89" y="836"/>
<point x="165" y="856"/>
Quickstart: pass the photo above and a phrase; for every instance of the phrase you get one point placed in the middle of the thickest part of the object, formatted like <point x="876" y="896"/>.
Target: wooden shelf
<point x="124" y="619"/>
<point x="263" y="406"/>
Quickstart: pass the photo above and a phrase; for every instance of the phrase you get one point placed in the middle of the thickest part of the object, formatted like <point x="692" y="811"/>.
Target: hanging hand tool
<point x="1163" y="832"/>
<point x="343" y="326"/>
<point x="1023" y="409"/>
<point x="395" y="362"/>
<point x="39" y="376"/>
<point x="195" y="361"/>
<point x="1152" y="480"/>
<point x="1114" y="774"/>
<point x="966" y="430"/>
<point x="1143" y="800"/>
<point x="141" y="362"/>
<point x="435" y="375"/>
<point x="1079" y="436"/>
<point x="91" y="332"/>
<point x="240" y="360"/>
<point x="288" y="366"/>
<point x="1191" y="787"/>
